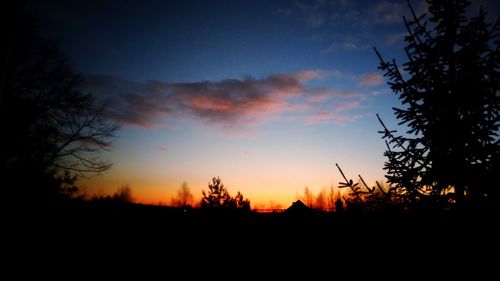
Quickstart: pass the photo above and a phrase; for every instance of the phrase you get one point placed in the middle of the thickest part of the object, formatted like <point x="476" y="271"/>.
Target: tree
<point x="451" y="105"/>
<point x="184" y="197"/>
<point x="123" y="195"/>
<point x="320" y="202"/>
<point x="330" y="198"/>
<point x="241" y="203"/>
<point x="52" y="126"/>
<point x="217" y="195"/>
<point x="275" y="206"/>
<point x="333" y="196"/>
<point x="308" y="197"/>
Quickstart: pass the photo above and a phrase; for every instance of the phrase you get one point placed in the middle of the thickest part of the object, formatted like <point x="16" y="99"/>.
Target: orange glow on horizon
<point x="264" y="181"/>
<point x="161" y="194"/>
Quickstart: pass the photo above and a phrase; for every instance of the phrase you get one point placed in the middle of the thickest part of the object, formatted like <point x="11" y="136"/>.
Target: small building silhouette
<point x="298" y="209"/>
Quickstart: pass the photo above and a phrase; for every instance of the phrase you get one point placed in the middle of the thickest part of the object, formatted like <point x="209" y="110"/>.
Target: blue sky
<point x="268" y="95"/>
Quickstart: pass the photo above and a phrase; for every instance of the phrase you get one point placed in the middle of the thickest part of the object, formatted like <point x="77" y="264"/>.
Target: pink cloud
<point x="347" y="106"/>
<point x="229" y="103"/>
<point x="324" y="116"/>
<point x="371" y="79"/>
<point x="319" y="117"/>
<point x="322" y="94"/>
<point x="307" y="75"/>
<point x="343" y="119"/>
<point x="319" y="97"/>
<point x="162" y="148"/>
<point x="201" y="102"/>
<point x="225" y="102"/>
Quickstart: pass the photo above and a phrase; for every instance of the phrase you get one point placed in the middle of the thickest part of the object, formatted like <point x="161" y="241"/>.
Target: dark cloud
<point x="130" y="102"/>
<point x="223" y="102"/>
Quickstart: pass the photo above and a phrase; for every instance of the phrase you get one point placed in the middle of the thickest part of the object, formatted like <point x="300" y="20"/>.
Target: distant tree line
<point x="326" y="199"/>
<point x="216" y="198"/>
<point x="122" y="195"/>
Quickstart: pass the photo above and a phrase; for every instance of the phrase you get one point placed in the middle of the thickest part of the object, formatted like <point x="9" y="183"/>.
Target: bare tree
<point x="308" y="197"/>
<point x="331" y="198"/>
<point x="184" y="197"/>
<point x="320" y="200"/>
<point x="53" y="126"/>
<point x="67" y="129"/>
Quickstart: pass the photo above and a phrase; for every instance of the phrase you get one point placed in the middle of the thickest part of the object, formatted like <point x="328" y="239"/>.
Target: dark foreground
<point x="115" y="232"/>
<point x="98" y="219"/>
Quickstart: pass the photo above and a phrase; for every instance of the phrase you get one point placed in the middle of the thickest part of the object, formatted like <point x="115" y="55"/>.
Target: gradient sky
<point x="267" y="95"/>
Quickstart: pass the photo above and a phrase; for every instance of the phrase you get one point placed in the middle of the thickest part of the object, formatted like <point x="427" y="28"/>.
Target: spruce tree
<point x="450" y="97"/>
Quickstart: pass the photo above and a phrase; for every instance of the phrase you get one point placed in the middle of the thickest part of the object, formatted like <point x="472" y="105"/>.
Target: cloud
<point x="395" y="38"/>
<point x="324" y="116"/>
<point x="386" y="12"/>
<point x="129" y="102"/>
<point x="307" y="75"/>
<point x="314" y="20"/>
<point x="337" y="115"/>
<point x="226" y="102"/>
<point x="162" y="148"/>
<point x="315" y="96"/>
<point x="343" y="119"/>
<point x="346" y="106"/>
<point x="239" y="104"/>
<point x="318" y="117"/>
<point x="371" y="79"/>
<point x="320" y="14"/>
<point x="348" y="44"/>
<point x="313" y="13"/>
<point x="334" y="22"/>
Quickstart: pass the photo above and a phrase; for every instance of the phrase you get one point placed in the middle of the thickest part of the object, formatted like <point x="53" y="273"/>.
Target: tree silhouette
<point x="218" y="197"/>
<point x="331" y="198"/>
<point x="241" y="203"/>
<point x="184" y="197"/>
<point x="449" y="91"/>
<point x="320" y="200"/>
<point x="123" y="195"/>
<point x="52" y="126"/>
<point x="308" y="197"/>
<point x="67" y="185"/>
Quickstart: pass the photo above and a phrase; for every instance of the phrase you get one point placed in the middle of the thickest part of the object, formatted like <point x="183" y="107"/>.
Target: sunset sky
<point x="267" y="95"/>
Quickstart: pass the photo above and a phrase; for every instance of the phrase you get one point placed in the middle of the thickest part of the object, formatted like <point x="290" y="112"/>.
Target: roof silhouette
<point x="298" y="208"/>
<point x="298" y="205"/>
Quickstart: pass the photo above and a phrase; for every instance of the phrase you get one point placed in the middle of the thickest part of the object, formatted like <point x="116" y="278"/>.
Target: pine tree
<point x="217" y="195"/>
<point x="450" y="106"/>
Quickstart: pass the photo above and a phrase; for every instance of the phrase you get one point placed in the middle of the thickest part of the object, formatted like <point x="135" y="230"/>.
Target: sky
<point x="266" y="95"/>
